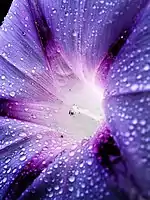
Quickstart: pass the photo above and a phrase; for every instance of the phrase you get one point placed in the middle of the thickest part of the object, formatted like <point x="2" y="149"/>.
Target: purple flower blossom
<point x="74" y="79"/>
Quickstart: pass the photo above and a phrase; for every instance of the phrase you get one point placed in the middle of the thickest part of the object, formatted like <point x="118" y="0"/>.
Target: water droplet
<point x="83" y="185"/>
<point x="56" y="166"/>
<point x="12" y="94"/>
<point x="54" y="11"/>
<point x="4" y="179"/>
<point x="74" y="34"/>
<point x="72" y="179"/>
<point x="14" y="171"/>
<point x="126" y="134"/>
<point x="143" y="122"/>
<point x="81" y="165"/>
<point x="146" y="67"/>
<point x="139" y="76"/>
<point x="89" y="161"/>
<point x="33" y="71"/>
<point x="26" y="109"/>
<point x="3" y="77"/>
<point x="134" y="87"/>
<point x="5" y="166"/>
<point x="22" y="158"/>
<point x="51" y="194"/>
<point x="76" y="172"/>
<point x="26" y="18"/>
<point x="7" y="161"/>
<point x="61" y="191"/>
<point x="56" y="187"/>
<point x="9" y="170"/>
<point x="134" y="121"/>
<point x="71" y="153"/>
<point x="66" y="14"/>
<point x="71" y="189"/>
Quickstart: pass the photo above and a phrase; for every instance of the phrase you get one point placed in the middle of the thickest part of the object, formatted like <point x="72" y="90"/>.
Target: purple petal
<point x="127" y="103"/>
<point x="85" y="30"/>
<point x="49" y="34"/>
<point x="23" y="46"/>
<point x="21" y="143"/>
<point x="74" y="174"/>
<point x="15" y="84"/>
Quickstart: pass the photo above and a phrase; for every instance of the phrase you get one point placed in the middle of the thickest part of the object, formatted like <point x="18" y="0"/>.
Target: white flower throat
<point x="75" y="110"/>
<point x="82" y="111"/>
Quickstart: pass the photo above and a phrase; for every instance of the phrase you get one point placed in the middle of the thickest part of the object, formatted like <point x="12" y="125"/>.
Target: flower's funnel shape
<point x="56" y="59"/>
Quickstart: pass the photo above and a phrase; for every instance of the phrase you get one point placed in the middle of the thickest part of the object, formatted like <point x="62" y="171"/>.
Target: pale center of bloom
<point x="75" y="110"/>
<point x="82" y="111"/>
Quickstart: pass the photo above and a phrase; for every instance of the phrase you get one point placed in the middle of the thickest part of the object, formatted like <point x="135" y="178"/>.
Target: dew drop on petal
<point x="22" y="158"/>
<point x="14" y="171"/>
<point x="83" y="185"/>
<point x="12" y="94"/>
<point x="3" y="77"/>
<point x="56" y="187"/>
<point x="61" y="191"/>
<point x="142" y="122"/>
<point x="51" y="194"/>
<point x="89" y="161"/>
<point x="146" y="67"/>
<point x="55" y="166"/>
<point x="71" y="153"/>
<point x="72" y="179"/>
<point x="134" y="121"/>
<point x="74" y="34"/>
<point x="4" y="179"/>
<point x="134" y="87"/>
<point x="71" y="188"/>
<point x="7" y="161"/>
<point x="9" y="170"/>
<point x="26" y="18"/>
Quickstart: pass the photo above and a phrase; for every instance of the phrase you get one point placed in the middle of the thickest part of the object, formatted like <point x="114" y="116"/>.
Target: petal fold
<point x="127" y="103"/>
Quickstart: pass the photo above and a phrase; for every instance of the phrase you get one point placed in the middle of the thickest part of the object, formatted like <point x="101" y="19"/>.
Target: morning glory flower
<point x="74" y="100"/>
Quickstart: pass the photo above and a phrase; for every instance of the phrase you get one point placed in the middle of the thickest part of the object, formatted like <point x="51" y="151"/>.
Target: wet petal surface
<point x="127" y="103"/>
<point x="49" y="51"/>
<point x="23" y="142"/>
<point x="76" y="173"/>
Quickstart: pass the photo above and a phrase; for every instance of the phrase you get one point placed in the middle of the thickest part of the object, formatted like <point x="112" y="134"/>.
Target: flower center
<point x="75" y="110"/>
<point x="82" y="110"/>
